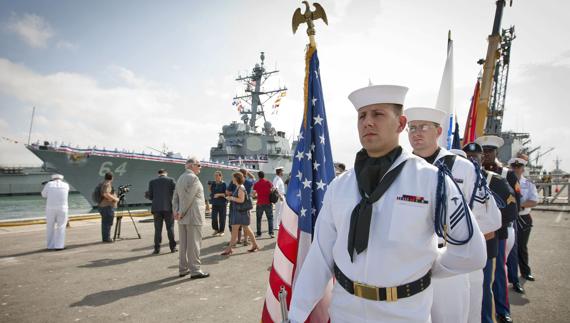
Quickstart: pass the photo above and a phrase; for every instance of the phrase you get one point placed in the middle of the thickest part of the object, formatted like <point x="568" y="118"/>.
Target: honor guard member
<point x="494" y="280"/>
<point x="529" y="199"/>
<point x="454" y="297"/>
<point x="376" y="231"/>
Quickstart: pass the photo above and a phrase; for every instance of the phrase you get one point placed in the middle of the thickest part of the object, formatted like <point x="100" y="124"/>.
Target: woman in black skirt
<point x="239" y="218"/>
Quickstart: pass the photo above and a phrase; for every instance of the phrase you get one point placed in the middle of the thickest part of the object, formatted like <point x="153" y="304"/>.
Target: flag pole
<point x="297" y="236"/>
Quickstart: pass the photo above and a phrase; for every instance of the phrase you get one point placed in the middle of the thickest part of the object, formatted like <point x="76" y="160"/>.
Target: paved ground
<point x="94" y="282"/>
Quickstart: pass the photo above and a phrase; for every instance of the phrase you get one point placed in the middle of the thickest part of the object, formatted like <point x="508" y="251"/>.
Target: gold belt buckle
<point x="391" y="294"/>
<point x="366" y="291"/>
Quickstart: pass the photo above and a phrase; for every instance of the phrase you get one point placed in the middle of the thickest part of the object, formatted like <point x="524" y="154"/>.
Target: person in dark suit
<point x="160" y="191"/>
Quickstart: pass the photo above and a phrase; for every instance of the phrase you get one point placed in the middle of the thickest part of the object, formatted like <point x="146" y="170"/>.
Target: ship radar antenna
<point x="255" y="95"/>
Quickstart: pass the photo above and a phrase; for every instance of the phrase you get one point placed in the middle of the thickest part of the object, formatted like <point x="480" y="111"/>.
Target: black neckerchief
<point x="431" y="158"/>
<point x="373" y="181"/>
<point x="369" y="170"/>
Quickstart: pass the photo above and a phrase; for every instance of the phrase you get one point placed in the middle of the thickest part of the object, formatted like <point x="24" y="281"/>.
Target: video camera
<point x="122" y="190"/>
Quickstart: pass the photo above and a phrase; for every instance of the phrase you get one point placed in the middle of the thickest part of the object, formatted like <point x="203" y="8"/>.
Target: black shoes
<point x="156" y="251"/>
<point x="504" y="318"/>
<point x="200" y="275"/>
<point x="173" y="250"/>
<point x="108" y="241"/>
<point x="518" y="288"/>
<point x="529" y="277"/>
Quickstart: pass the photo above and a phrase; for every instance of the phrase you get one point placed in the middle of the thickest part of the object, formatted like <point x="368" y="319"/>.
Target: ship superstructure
<point x="245" y="143"/>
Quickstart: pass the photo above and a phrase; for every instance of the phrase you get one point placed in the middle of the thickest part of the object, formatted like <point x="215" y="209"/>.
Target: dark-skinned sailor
<point x="376" y="231"/>
<point x="459" y="297"/>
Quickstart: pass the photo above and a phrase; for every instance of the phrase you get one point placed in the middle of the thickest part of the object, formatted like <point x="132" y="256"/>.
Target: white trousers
<point x="56" y="220"/>
<point x="451" y="299"/>
<point x="510" y="240"/>
<point x="277" y="214"/>
<point x="475" y="296"/>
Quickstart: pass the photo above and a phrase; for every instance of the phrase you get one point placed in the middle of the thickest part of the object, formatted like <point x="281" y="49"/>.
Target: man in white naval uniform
<point x="457" y="299"/>
<point x="56" y="192"/>
<point x="279" y="185"/>
<point x="382" y="247"/>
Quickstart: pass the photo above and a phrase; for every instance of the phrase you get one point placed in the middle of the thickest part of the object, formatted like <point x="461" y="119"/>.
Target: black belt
<point x="440" y="245"/>
<point x="389" y="294"/>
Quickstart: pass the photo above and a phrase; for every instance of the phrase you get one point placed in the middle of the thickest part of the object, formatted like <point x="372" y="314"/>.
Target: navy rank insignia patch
<point x="458" y="180"/>
<point x="511" y="199"/>
<point x="412" y="198"/>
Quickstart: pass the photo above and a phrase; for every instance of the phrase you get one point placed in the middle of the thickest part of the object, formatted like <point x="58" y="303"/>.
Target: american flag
<point x="311" y="173"/>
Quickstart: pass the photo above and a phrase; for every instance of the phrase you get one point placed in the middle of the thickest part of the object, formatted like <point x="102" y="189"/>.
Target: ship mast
<point x="253" y="83"/>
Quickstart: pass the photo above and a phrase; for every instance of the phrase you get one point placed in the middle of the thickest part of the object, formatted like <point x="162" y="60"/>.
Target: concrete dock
<point x="93" y="282"/>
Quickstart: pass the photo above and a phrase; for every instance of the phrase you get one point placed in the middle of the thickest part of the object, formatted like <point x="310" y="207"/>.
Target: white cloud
<point x="32" y="29"/>
<point x="62" y="44"/>
<point x="135" y="114"/>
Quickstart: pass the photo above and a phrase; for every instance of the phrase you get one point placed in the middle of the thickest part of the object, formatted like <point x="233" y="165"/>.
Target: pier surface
<point x="92" y="282"/>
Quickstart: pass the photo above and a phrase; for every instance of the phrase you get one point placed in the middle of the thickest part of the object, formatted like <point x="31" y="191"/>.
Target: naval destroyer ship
<point x="241" y="144"/>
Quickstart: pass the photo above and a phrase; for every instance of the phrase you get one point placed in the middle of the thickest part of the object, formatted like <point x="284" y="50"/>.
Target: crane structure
<point x="500" y="80"/>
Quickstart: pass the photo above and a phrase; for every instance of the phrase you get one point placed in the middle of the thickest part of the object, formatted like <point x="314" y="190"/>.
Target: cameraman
<point x="107" y="207"/>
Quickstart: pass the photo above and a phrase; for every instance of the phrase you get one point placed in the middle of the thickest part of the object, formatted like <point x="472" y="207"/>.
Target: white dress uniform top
<point x="402" y="247"/>
<point x="279" y="185"/>
<point x="458" y="299"/>
<point x="528" y="193"/>
<point x="56" y="192"/>
<point x="455" y="298"/>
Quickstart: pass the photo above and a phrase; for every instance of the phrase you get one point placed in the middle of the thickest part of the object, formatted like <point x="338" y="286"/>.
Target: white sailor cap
<point x="517" y="161"/>
<point x="425" y="114"/>
<point x="56" y="176"/>
<point x="490" y="141"/>
<point x="377" y="94"/>
<point x="278" y="168"/>
<point x="458" y="152"/>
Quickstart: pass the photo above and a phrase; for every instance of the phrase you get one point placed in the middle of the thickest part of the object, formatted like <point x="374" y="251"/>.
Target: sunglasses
<point x="198" y="165"/>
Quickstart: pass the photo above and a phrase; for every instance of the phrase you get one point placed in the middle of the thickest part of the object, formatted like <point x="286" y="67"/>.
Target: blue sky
<point x="135" y="74"/>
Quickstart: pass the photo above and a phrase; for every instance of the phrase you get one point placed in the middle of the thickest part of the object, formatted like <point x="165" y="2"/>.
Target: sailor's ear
<point x="439" y="130"/>
<point x="403" y="121"/>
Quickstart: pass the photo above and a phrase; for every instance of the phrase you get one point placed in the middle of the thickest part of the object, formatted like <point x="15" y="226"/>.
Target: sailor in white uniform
<point x="457" y="299"/>
<point x="279" y="185"/>
<point x="56" y="192"/>
<point x="376" y="231"/>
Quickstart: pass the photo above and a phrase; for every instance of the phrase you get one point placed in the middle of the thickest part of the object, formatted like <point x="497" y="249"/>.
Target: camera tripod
<point x="123" y="205"/>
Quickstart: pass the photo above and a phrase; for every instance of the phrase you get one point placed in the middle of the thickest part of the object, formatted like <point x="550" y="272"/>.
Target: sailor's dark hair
<point x="108" y="176"/>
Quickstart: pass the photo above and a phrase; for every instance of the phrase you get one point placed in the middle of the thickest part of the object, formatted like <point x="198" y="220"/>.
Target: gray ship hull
<point x="83" y="169"/>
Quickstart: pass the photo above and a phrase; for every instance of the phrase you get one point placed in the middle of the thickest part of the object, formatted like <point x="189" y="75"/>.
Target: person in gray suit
<point x="188" y="205"/>
<point x="160" y="192"/>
